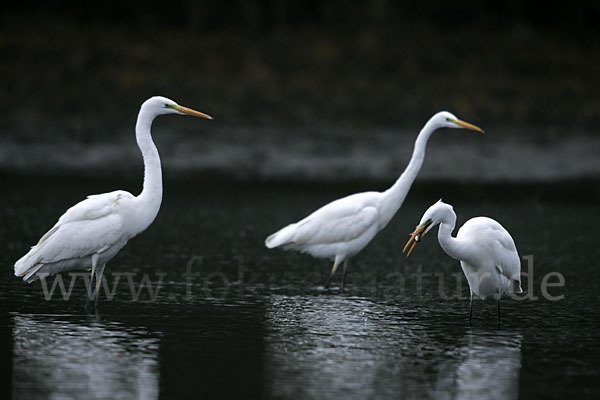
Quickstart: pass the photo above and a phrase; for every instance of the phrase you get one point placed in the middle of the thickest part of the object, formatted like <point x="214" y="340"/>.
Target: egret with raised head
<point x="92" y="232"/>
<point x="341" y="229"/>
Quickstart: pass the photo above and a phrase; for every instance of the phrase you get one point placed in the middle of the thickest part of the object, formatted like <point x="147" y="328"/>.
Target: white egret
<point x="341" y="229"/>
<point x="486" y="251"/>
<point x="92" y="232"/>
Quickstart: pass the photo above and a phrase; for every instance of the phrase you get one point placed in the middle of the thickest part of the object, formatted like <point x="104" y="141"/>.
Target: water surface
<point x="257" y="323"/>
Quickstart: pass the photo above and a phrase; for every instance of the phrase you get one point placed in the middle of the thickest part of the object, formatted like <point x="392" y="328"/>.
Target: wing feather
<point x="343" y="227"/>
<point x="342" y="220"/>
<point x="81" y="238"/>
<point x="91" y="226"/>
<point x="95" y="206"/>
<point x="498" y="243"/>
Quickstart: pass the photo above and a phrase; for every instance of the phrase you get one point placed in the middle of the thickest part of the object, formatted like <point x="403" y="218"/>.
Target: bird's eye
<point x="167" y="105"/>
<point x="448" y="119"/>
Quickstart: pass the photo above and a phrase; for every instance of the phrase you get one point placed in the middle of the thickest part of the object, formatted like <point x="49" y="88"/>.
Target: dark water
<point x="256" y="323"/>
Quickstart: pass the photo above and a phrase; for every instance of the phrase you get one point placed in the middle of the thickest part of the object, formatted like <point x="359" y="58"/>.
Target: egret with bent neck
<point x="486" y="251"/>
<point x="341" y="229"/>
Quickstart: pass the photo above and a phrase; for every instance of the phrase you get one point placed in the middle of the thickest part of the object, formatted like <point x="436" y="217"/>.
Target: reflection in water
<point x="270" y="342"/>
<point x="332" y="346"/>
<point x="488" y="367"/>
<point x="82" y="360"/>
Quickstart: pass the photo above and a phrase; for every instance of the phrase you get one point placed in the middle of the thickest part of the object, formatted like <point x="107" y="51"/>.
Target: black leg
<point x="498" y="310"/>
<point x="99" y="273"/>
<point x="344" y="275"/>
<point x="328" y="281"/>
<point x="471" y="309"/>
<point x="89" y="294"/>
<point x="333" y="269"/>
<point x="97" y="304"/>
<point x="97" y="300"/>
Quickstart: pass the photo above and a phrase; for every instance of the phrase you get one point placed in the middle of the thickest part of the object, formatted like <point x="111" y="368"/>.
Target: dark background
<point x="327" y="77"/>
<point x="302" y="89"/>
<point x="84" y="67"/>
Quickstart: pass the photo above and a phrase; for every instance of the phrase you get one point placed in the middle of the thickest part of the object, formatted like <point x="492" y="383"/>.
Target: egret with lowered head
<point x="92" y="232"/>
<point x="341" y="229"/>
<point x="486" y="251"/>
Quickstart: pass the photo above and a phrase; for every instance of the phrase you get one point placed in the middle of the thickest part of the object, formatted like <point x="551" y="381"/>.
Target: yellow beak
<point x="416" y="236"/>
<point x="189" y="111"/>
<point x="467" y="125"/>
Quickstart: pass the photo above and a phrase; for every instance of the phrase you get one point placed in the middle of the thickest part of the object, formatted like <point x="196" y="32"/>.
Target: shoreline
<point x="320" y="154"/>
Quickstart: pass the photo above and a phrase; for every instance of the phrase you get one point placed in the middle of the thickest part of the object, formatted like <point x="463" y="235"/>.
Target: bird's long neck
<point x="151" y="195"/>
<point x="451" y="245"/>
<point x="395" y="195"/>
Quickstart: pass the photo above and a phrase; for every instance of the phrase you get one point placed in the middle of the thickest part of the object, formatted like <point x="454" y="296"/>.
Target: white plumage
<point x="97" y="225"/>
<point x="486" y="251"/>
<point x="341" y="229"/>
<point x="496" y="254"/>
<point x="335" y="225"/>
<point x="93" y="231"/>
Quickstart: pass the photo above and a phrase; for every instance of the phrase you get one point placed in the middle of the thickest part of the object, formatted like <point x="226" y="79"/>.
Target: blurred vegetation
<point x="578" y="15"/>
<point x="84" y="67"/>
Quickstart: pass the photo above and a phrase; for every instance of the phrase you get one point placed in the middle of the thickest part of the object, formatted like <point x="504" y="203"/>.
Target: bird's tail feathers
<point x="28" y="265"/>
<point x="32" y="274"/>
<point x="281" y="237"/>
<point x="25" y="262"/>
